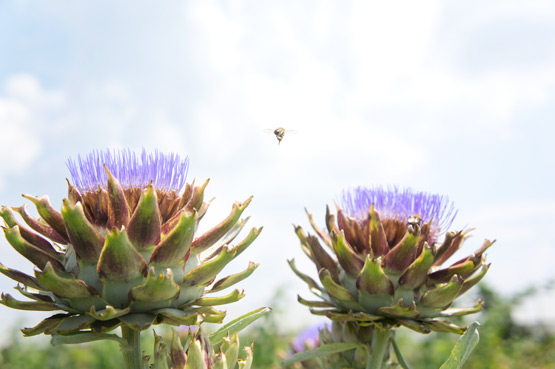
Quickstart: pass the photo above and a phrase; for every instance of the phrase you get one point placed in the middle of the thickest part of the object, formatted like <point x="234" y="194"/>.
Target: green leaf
<point x="82" y="337"/>
<point x="238" y="324"/>
<point x="463" y="348"/>
<point x="328" y="349"/>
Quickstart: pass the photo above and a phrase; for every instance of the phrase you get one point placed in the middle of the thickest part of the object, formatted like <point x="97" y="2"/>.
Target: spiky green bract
<point x="388" y="272"/>
<point x="193" y="350"/>
<point x="124" y="256"/>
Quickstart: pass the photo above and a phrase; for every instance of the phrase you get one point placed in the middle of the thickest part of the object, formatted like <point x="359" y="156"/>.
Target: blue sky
<point x="447" y="97"/>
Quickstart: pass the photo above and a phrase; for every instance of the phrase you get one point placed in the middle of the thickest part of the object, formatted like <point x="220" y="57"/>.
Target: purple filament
<point x="395" y="203"/>
<point x="166" y="171"/>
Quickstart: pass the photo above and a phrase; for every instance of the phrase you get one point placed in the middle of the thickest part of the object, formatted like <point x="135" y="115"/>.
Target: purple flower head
<point x="309" y="337"/>
<point x="396" y="203"/>
<point x="166" y="171"/>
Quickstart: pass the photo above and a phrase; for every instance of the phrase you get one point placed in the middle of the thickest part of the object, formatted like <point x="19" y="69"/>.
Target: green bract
<point x="388" y="272"/>
<point x="128" y="256"/>
<point x="196" y="352"/>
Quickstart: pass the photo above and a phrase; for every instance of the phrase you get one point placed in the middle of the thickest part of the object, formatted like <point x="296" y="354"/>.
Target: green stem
<point x="398" y="354"/>
<point x="131" y="349"/>
<point x="379" y="348"/>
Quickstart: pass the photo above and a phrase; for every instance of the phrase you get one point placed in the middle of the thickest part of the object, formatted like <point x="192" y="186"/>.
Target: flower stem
<point x="381" y="339"/>
<point x="131" y="349"/>
<point x="398" y="354"/>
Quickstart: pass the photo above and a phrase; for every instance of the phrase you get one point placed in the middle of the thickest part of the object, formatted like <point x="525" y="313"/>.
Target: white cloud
<point x="26" y="88"/>
<point x="20" y="110"/>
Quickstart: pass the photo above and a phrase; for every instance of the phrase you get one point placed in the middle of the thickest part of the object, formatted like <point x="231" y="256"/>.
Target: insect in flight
<point x="280" y="132"/>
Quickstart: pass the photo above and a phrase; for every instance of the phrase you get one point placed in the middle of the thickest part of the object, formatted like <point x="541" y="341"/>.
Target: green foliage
<point x="238" y="324"/>
<point x="504" y="344"/>
<point x="37" y="353"/>
<point x="463" y="348"/>
<point x="24" y="353"/>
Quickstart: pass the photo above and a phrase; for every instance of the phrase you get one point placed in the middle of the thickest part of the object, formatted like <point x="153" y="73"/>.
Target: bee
<point x="279" y="133"/>
<point x="414" y="223"/>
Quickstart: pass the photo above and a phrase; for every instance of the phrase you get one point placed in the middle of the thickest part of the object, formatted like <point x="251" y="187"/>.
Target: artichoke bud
<point x="123" y="250"/>
<point x="339" y="332"/>
<point x="198" y="353"/>
<point x="384" y="264"/>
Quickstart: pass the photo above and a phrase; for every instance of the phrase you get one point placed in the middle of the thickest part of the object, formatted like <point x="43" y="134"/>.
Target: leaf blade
<point x="237" y="324"/>
<point x="463" y="348"/>
<point x="328" y="349"/>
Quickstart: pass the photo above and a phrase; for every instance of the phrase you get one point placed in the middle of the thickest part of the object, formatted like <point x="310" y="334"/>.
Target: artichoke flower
<point x="196" y="352"/>
<point x="382" y="263"/>
<point x="123" y="250"/>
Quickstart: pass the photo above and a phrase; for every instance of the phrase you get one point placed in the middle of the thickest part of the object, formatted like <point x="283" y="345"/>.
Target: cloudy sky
<point x="443" y="96"/>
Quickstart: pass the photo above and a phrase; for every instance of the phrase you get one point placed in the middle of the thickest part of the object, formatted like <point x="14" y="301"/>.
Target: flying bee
<point x="280" y="132"/>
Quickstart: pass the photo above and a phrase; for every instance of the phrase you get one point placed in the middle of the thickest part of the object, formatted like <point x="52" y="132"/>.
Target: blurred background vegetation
<point x="504" y="343"/>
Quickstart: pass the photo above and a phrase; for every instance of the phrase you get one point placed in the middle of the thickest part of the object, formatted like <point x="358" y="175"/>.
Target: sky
<point x="442" y="96"/>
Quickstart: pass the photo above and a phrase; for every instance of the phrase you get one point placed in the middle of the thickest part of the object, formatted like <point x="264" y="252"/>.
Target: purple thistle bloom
<point x="166" y="171"/>
<point x="395" y="203"/>
<point x="309" y="337"/>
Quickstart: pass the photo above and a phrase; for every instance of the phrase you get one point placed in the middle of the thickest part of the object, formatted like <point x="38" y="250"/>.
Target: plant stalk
<point x="379" y="348"/>
<point x="131" y="349"/>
